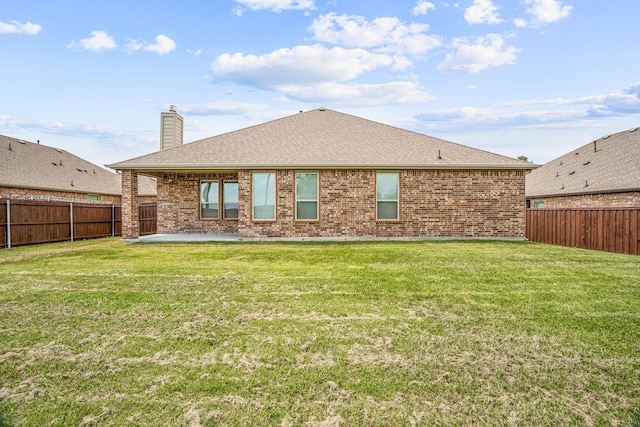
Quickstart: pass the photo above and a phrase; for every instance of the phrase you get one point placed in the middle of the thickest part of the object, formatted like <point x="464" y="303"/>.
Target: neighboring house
<point x="325" y="174"/>
<point x="30" y="169"/>
<point x="603" y="173"/>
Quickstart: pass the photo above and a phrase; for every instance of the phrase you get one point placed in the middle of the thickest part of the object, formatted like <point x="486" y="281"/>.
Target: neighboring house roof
<point x="610" y="164"/>
<point x="319" y="139"/>
<point x="34" y="166"/>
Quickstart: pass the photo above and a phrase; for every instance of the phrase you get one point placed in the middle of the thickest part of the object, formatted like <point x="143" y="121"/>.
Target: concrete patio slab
<point x="196" y="237"/>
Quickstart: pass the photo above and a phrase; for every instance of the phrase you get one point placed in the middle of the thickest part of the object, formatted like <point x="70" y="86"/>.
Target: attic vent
<point x="586" y="184"/>
<point x="633" y="130"/>
<point x="22" y="142"/>
<point x="577" y="152"/>
<point x="572" y="172"/>
<point x="58" y="150"/>
<point x="595" y="146"/>
<point x="586" y="163"/>
<point x="605" y="137"/>
<point x="10" y="148"/>
<point x="560" y="162"/>
<point x="322" y="109"/>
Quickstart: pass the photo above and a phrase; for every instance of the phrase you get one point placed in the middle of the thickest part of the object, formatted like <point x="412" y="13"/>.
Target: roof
<point x="607" y="165"/>
<point x="320" y="139"/>
<point x="29" y="165"/>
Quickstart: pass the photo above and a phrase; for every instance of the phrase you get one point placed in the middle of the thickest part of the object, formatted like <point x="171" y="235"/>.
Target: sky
<point x="537" y="78"/>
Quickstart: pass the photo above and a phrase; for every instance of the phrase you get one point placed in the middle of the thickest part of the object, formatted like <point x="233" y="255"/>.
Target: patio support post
<point x="130" y="205"/>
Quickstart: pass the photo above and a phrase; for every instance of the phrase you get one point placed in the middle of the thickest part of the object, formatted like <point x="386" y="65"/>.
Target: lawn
<point x="104" y="333"/>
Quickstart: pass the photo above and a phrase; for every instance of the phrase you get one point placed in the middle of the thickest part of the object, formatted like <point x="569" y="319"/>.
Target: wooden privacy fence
<point x="28" y="222"/>
<point x="600" y="229"/>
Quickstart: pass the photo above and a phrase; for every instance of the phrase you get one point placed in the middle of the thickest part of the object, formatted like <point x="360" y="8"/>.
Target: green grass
<point x="318" y="334"/>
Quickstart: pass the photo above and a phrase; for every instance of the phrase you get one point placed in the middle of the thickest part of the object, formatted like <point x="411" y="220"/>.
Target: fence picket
<point x="603" y="229"/>
<point x="28" y="222"/>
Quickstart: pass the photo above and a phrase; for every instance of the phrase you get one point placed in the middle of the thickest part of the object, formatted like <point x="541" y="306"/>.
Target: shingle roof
<point x="609" y="164"/>
<point x="28" y="165"/>
<point x="320" y="138"/>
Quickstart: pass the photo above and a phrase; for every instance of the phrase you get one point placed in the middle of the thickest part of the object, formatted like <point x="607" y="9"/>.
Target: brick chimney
<point x="171" y="125"/>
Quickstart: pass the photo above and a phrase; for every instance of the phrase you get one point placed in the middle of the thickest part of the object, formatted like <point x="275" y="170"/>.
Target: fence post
<point x="113" y="220"/>
<point x="71" y="219"/>
<point x="8" y="224"/>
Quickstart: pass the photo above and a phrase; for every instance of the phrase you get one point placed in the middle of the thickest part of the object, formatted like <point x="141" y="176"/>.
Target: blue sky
<point x="516" y="77"/>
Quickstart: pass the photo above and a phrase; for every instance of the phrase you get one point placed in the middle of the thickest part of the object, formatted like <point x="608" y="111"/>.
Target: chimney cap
<point x="173" y="108"/>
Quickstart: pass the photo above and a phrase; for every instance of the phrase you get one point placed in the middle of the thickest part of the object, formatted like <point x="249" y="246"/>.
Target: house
<point x="32" y="170"/>
<point x="325" y="174"/>
<point x="602" y="173"/>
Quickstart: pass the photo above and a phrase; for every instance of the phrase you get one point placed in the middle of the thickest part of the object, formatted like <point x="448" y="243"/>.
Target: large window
<point x="307" y="196"/>
<point x="387" y="199"/>
<point x="209" y="200"/>
<point x="230" y="199"/>
<point x="264" y="196"/>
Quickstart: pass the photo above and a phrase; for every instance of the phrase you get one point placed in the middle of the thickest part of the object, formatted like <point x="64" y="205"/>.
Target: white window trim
<point x="203" y="203"/>
<point x="397" y="200"/>
<point x="275" y="197"/>
<point x="316" y="200"/>
<point x="224" y="210"/>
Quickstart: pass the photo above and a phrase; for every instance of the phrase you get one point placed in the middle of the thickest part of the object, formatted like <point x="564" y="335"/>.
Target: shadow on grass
<point x="3" y="421"/>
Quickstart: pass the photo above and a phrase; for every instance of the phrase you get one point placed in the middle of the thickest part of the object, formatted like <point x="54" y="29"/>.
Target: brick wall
<point x="179" y="205"/>
<point x="432" y="204"/>
<point x="56" y="194"/>
<point x="609" y="200"/>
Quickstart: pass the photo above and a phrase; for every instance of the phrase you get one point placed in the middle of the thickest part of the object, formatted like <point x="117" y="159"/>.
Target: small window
<point x="230" y="199"/>
<point x="93" y="197"/>
<point x="307" y="196"/>
<point x="264" y="196"/>
<point x="209" y="200"/>
<point x="538" y="205"/>
<point x="387" y="196"/>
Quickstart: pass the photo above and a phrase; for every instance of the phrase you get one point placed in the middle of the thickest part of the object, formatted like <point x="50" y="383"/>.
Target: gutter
<point x="234" y="167"/>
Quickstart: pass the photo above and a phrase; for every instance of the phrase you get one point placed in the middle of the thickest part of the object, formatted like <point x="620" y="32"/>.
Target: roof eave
<point x="585" y="193"/>
<point x="232" y="167"/>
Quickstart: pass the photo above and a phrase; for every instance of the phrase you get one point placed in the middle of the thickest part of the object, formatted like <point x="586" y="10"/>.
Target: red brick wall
<point x="609" y="200"/>
<point x="57" y="194"/>
<point x="179" y="205"/>
<point x="432" y="204"/>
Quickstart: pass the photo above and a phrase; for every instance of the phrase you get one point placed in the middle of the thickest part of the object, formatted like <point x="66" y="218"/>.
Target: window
<point x="307" y="196"/>
<point x="94" y="197"/>
<point x="539" y="205"/>
<point x="387" y="185"/>
<point x="209" y="200"/>
<point x="230" y="197"/>
<point x="264" y="196"/>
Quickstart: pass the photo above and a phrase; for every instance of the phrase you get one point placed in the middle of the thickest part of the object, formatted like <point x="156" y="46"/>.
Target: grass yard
<point x="105" y="333"/>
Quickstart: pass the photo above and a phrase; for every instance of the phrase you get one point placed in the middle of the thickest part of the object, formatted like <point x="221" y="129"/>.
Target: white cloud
<point x="300" y="65"/>
<point x="359" y="94"/>
<point x="98" y="41"/>
<point x="162" y="46"/>
<point x="423" y="7"/>
<point x="543" y="12"/>
<point x="482" y="12"/>
<point x="15" y="27"/>
<point x="274" y="5"/>
<point x="543" y="113"/>
<point x="223" y="108"/>
<point x="482" y="53"/>
<point x="383" y="34"/>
